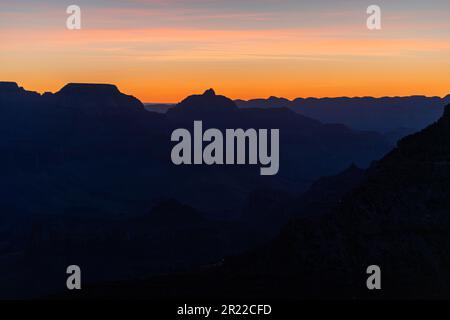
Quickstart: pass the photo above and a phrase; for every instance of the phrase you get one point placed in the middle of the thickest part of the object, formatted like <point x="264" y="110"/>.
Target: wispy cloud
<point x="245" y="47"/>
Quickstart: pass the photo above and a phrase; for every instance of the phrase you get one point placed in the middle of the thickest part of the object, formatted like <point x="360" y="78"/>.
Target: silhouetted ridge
<point x="446" y="115"/>
<point x="98" y="99"/>
<point x="87" y="89"/>
<point x="447" y="99"/>
<point x="341" y="182"/>
<point x="431" y="144"/>
<point x="91" y="152"/>
<point x="397" y="218"/>
<point x="206" y="104"/>
<point x="327" y="192"/>
<point x="278" y="102"/>
<point x="11" y="95"/>
<point x="209" y="92"/>
<point x="363" y="113"/>
<point x="8" y="86"/>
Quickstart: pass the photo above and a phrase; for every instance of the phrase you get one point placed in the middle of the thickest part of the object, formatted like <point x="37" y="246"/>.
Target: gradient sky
<point x="164" y="50"/>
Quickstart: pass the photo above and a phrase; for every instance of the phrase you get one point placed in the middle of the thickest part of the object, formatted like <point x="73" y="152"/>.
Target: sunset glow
<point x="162" y="51"/>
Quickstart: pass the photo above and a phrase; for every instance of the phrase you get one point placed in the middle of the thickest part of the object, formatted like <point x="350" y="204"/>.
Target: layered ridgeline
<point x="75" y="148"/>
<point x="93" y="137"/>
<point x="396" y="216"/>
<point x="395" y="116"/>
<point x="306" y="146"/>
<point x="78" y="114"/>
<point x="87" y="173"/>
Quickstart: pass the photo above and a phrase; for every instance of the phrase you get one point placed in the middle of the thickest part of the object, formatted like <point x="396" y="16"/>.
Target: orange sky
<point x="166" y="63"/>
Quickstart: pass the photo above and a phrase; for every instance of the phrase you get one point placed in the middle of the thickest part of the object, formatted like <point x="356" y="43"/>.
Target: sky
<point x="165" y="50"/>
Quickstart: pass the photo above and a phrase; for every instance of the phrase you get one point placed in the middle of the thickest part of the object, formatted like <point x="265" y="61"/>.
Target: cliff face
<point x="13" y="95"/>
<point x="84" y="125"/>
<point x="97" y="99"/>
<point x="398" y="219"/>
<point x="205" y="106"/>
<point x="74" y="100"/>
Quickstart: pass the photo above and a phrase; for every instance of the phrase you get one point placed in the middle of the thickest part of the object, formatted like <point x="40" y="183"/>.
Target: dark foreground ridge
<point x="398" y="218"/>
<point x="90" y="181"/>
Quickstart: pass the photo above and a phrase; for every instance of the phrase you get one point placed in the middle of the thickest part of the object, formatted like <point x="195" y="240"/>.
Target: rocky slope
<point x="398" y="218"/>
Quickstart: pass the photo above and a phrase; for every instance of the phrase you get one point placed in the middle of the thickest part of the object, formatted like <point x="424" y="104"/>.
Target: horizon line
<point x="238" y="99"/>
